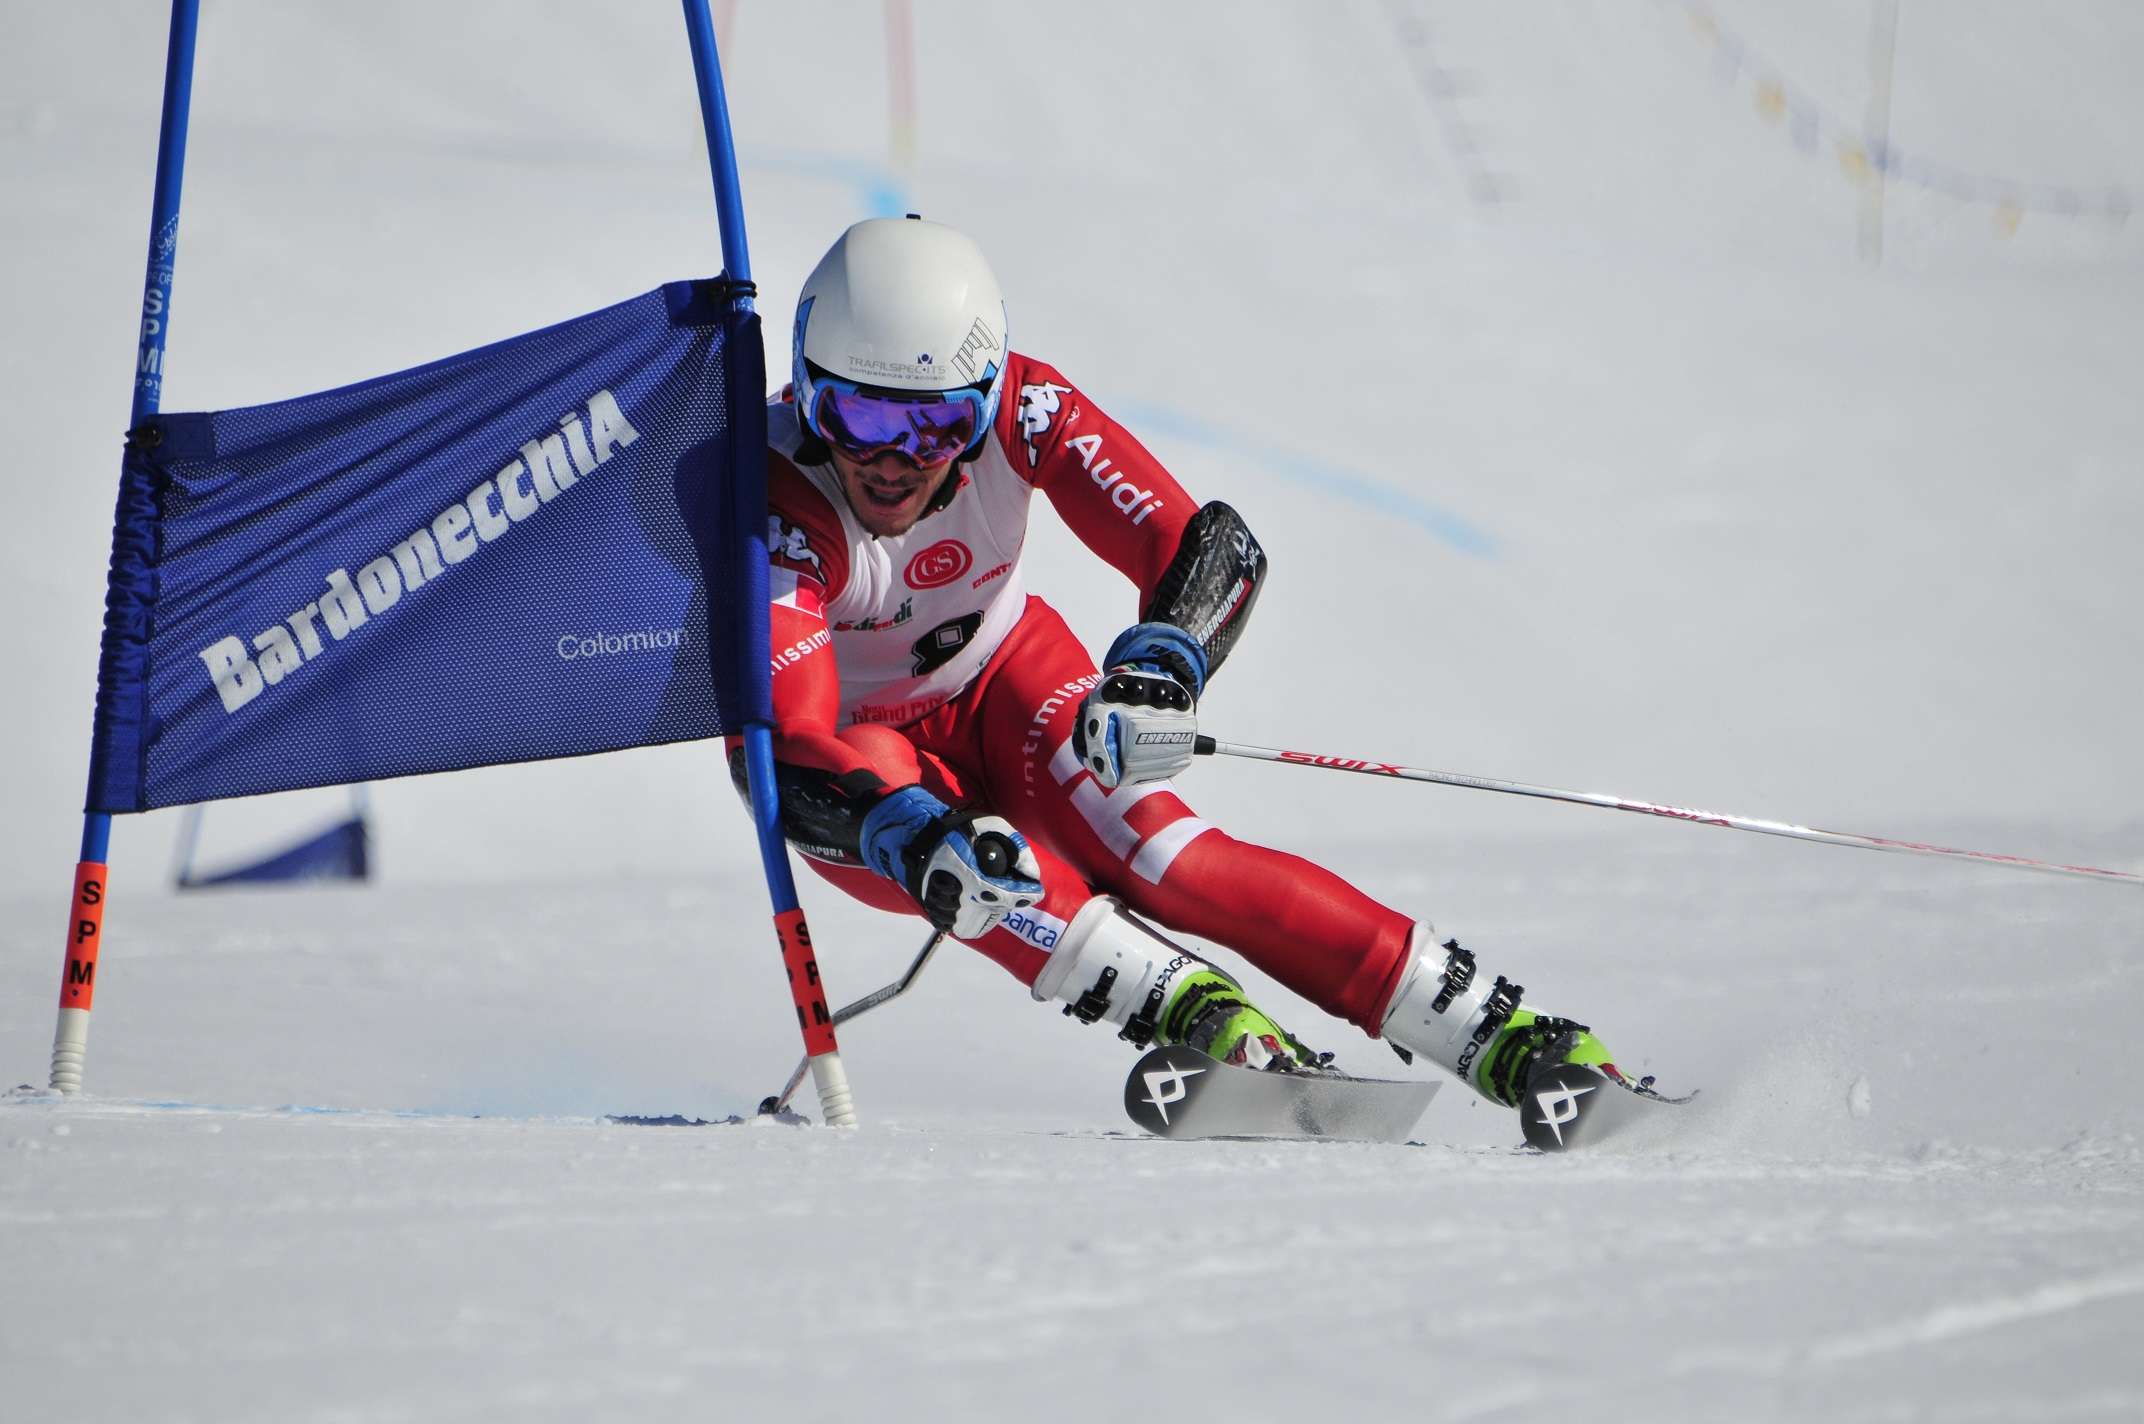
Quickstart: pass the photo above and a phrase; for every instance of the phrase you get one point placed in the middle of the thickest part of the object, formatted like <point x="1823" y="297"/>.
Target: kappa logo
<point x="1037" y="405"/>
<point x="1560" y="1106"/>
<point x="789" y="541"/>
<point x="1166" y="1085"/>
<point x="938" y="565"/>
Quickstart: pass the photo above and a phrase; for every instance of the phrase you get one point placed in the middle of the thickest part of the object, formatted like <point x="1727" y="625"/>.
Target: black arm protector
<point x="822" y="814"/>
<point x="1208" y="589"/>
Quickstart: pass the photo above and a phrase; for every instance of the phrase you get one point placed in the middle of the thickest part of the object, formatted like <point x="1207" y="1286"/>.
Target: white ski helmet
<point x="903" y="308"/>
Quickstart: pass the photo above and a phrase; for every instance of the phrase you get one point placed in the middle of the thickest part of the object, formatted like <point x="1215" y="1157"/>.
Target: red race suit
<point x="923" y="659"/>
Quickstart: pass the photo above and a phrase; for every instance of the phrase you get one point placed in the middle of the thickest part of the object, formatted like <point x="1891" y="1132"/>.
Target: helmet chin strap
<point x="947" y="487"/>
<point x="954" y="477"/>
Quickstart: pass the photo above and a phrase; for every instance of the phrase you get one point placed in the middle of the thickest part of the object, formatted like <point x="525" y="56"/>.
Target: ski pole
<point x="1208" y="746"/>
<point x="864" y="1005"/>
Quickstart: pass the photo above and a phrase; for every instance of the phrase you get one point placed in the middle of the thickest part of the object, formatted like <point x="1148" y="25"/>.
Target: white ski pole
<point x="1208" y="746"/>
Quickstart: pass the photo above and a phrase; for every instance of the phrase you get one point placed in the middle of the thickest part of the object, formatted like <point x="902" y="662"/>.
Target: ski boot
<point x="1110" y="967"/>
<point x="1548" y="1068"/>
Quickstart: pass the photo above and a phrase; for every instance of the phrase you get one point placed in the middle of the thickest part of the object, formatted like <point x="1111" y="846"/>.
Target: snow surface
<point x="1590" y="451"/>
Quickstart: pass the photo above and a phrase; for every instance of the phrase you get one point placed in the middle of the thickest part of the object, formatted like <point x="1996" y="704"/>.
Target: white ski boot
<point x="1445" y="1013"/>
<point x="1113" y="968"/>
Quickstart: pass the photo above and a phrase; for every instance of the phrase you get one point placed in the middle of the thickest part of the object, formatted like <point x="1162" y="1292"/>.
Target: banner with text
<point x="502" y="556"/>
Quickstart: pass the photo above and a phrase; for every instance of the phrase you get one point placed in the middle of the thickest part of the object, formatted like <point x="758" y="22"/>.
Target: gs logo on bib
<point x="938" y="565"/>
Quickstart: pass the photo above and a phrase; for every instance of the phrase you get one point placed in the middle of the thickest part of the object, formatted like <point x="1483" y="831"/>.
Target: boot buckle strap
<point x="1502" y="1003"/>
<point x="1140" y="1028"/>
<point x="1458" y="974"/>
<point x="1095" y="1002"/>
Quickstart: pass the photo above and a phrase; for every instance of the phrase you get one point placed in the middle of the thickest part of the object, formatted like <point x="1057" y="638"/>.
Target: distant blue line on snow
<point x="286" y="1109"/>
<point x="877" y="189"/>
<point x="881" y="194"/>
<point x="1319" y="475"/>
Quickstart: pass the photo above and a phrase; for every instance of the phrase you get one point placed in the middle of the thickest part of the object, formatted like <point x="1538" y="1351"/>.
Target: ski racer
<point x="945" y="746"/>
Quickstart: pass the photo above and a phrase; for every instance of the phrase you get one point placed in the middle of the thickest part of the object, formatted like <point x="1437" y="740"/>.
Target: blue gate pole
<point x="748" y="507"/>
<point x="85" y="922"/>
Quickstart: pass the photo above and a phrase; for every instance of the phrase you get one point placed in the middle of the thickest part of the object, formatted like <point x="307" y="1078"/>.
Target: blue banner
<point x="339" y="853"/>
<point x="502" y="556"/>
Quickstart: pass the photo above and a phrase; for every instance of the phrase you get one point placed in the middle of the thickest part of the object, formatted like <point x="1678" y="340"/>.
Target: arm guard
<point x="822" y="813"/>
<point x="1208" y="589"/>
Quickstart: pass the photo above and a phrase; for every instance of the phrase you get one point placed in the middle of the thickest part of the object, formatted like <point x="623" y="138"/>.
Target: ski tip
<point x="1161" y="1079"/>
<point x="1643" y="1087"/>
<point x="1571" y="1106"/>
<point x="1561" y="1108"/>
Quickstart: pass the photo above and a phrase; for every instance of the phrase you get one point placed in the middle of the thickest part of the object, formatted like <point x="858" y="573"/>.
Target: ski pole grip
<point x="994" y="854"/>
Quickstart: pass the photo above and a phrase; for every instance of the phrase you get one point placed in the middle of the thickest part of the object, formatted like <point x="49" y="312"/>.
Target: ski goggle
<point x="928" y="429"/>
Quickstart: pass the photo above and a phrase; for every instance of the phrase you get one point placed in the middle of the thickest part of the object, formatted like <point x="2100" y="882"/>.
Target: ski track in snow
<point x="1955" y="1320"/>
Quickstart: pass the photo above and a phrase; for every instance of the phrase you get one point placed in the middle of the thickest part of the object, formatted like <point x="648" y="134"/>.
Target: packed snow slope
<point x="1602" y="433"/>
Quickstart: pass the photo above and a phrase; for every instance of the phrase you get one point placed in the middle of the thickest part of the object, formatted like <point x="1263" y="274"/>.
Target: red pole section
<point x="78" y="983"/>
<point x="814" y="1019"/>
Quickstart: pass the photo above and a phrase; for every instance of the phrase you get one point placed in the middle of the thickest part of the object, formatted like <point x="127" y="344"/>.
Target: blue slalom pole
<point x="85" y="922"/>
<point x="721" y="150"/>
<point x="748" y="508"/>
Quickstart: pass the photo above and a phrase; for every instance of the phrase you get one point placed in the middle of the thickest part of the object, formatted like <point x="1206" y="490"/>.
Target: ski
<point x="1179" y="1092"/>
<point x="1571" y="1106"/>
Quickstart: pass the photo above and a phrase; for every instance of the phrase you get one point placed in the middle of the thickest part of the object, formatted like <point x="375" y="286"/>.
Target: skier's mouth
<point x="890" y="494"/>
<point x="889" y="497"/>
